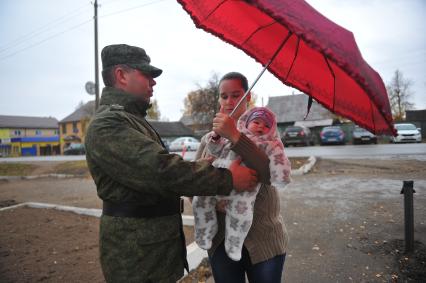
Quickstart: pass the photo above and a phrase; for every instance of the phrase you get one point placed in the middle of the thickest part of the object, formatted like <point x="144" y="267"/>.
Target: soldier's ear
<point x="121" y="76"/>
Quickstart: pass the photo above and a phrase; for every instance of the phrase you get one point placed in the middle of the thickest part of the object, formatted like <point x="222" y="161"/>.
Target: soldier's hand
<point x="244" y="178"/>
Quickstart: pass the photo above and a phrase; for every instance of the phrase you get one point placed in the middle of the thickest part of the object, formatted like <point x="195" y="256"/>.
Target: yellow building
<point x="23" y="135"/>
<point x="72" y="129"/>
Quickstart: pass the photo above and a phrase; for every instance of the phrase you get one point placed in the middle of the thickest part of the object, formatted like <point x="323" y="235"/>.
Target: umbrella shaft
<point x="260" y="75"/>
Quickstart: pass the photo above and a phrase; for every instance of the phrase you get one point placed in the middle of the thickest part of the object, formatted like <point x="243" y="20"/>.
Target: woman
<point x="264" y="248"/>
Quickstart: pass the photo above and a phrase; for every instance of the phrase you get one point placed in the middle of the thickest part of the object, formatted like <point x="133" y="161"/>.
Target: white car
<point x="189" y="143"/>
<point x="406" y="133"/>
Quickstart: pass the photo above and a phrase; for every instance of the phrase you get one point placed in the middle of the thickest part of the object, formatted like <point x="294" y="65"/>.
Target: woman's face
<point x="230" y="92"/>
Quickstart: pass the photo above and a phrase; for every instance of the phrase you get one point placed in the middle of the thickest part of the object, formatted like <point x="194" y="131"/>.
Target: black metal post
<point x="407" y="190"/>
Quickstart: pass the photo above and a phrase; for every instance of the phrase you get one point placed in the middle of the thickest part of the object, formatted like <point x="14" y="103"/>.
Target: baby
<point x="258" y="124"/>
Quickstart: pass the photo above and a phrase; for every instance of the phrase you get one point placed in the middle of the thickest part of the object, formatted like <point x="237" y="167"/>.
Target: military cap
<point x="132" y="56"/>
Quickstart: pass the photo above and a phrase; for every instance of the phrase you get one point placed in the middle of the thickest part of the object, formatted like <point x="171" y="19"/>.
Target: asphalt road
<point x="377" y="151"/>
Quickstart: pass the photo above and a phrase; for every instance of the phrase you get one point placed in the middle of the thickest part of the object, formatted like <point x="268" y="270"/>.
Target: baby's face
<point x="258" y="127"/>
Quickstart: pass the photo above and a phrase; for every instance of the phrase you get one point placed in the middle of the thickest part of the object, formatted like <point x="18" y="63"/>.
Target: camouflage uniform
<point x="129" y="164"/>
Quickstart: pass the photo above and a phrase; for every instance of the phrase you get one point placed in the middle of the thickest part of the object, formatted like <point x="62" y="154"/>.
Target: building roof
<point x="26" y="122"/>
<point x="292" y="108"/>
<point x="84" y="111"/>
<point x="171" y="129"/>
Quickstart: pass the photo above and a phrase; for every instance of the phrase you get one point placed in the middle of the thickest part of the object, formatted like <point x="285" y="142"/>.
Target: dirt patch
<point x="345" y="222"/>
<point x="361" y="167"/>
<point x="50" y="245"/>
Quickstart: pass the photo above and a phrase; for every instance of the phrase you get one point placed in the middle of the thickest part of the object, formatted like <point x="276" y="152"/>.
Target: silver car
<point x="187" y="143"/>
<point x="361" y="135"/>
<point x="406" y="133"/>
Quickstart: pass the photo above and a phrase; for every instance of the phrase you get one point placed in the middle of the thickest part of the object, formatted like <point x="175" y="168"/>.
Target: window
<point x="74" y="127"/>
<point x="56" y="132"/>
<point x="64" y="128"/>
<point x="38" y="132"/>
<point x="17" y="132"/>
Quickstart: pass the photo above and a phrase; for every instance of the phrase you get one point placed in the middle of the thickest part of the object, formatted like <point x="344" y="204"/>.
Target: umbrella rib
<point x="294" y="58"/>
<point x="372" y="116"/>
<point x="258" y="29"/>
<point x="214" y="10"/>
<point x="334" y="80"/>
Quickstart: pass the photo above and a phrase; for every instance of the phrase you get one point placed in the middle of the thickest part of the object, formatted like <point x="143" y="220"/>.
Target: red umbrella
<point x="313" y="54"/>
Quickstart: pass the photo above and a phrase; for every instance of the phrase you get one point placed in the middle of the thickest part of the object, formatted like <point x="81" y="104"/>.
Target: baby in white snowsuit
<point x="258" y="124"/>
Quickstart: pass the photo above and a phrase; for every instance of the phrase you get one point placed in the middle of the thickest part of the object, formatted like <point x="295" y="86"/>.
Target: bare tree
<point x="399" y="95"/>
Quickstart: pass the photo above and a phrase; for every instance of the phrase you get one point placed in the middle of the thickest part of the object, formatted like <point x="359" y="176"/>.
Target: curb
<point x="305" y="167"/>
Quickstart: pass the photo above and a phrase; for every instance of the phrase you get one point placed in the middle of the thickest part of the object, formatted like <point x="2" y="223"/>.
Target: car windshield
<point x="360" y="130"/>
<point x="332" y="129"/>
<point x="405" y="127"/>
<point x="293" y="129"/>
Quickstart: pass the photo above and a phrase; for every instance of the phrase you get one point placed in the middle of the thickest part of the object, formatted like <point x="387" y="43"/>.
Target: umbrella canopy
<point x="315" y="55"/>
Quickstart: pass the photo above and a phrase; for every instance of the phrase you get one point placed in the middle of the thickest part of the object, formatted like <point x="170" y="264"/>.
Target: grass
<point x="16" y="169"/>
<point x="72" y="167"/>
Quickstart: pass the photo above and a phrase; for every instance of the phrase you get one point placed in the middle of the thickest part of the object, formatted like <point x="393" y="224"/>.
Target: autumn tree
<point x="202" y="104"/>
<point x="399" y="95"/>
<point x="153" y="112"/>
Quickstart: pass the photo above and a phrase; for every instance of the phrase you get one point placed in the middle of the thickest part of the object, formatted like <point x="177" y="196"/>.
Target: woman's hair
<point x="108" y="74"/>
<point x="236" y="76"/>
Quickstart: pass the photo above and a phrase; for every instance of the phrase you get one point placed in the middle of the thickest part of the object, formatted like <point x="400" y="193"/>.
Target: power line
<point x="132" y="8"/>
<point x="42" y="29"/>
<point x="69" y="29"/>
<point x="46" y="39"/>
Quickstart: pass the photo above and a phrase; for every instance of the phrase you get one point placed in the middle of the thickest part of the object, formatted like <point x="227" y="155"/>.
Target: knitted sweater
<point x="267" y="236"/>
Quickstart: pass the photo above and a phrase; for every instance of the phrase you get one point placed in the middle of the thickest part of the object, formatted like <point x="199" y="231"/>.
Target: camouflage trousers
<point x="141" y="250"/>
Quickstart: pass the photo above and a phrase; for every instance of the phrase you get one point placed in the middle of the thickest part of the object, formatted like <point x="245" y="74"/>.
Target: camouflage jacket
<point x="129" y="164"/>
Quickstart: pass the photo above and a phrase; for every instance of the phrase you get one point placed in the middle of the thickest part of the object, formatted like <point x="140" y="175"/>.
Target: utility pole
<point x="96" y="56"/>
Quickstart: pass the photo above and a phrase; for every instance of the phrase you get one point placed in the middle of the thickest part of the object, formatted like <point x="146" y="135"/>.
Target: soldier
<point x="140" y="183"/>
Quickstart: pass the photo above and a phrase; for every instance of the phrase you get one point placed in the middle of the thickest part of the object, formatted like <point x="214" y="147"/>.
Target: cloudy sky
<point x="46" y="49"/>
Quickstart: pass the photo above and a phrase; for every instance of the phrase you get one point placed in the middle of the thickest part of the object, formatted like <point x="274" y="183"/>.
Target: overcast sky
<point x="46" y="49"/>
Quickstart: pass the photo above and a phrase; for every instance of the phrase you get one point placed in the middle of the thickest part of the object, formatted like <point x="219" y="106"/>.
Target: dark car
<point x="360" y="136"/>
<point x="297" y="135"/>
<point x="332" y="135"/>
<point x="75" y="149"/>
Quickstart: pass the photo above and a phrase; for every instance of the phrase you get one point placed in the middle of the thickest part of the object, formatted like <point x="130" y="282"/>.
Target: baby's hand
<point x="221" y="205"/>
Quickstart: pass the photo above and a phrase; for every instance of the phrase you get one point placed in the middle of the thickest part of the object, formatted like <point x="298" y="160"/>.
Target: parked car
<point x="75" y="149"/>
<point x="189" y="143"/>
<point x="332" y="135"/>
<point x="295" y="135"/>
<point x="407" y="133"/>
<point x="361" y="135"/>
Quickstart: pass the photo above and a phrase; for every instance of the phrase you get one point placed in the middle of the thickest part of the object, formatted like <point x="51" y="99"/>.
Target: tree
<point x="202" y="104"/>
<point x="154" y="112"/>
<point x="399" y="95"/>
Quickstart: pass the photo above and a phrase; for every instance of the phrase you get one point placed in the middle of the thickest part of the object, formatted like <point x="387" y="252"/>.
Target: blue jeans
<point x="225" y="270"/>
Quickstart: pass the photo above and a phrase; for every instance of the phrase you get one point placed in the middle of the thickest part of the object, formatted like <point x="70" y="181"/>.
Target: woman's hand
<point x="224" y="126"/>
